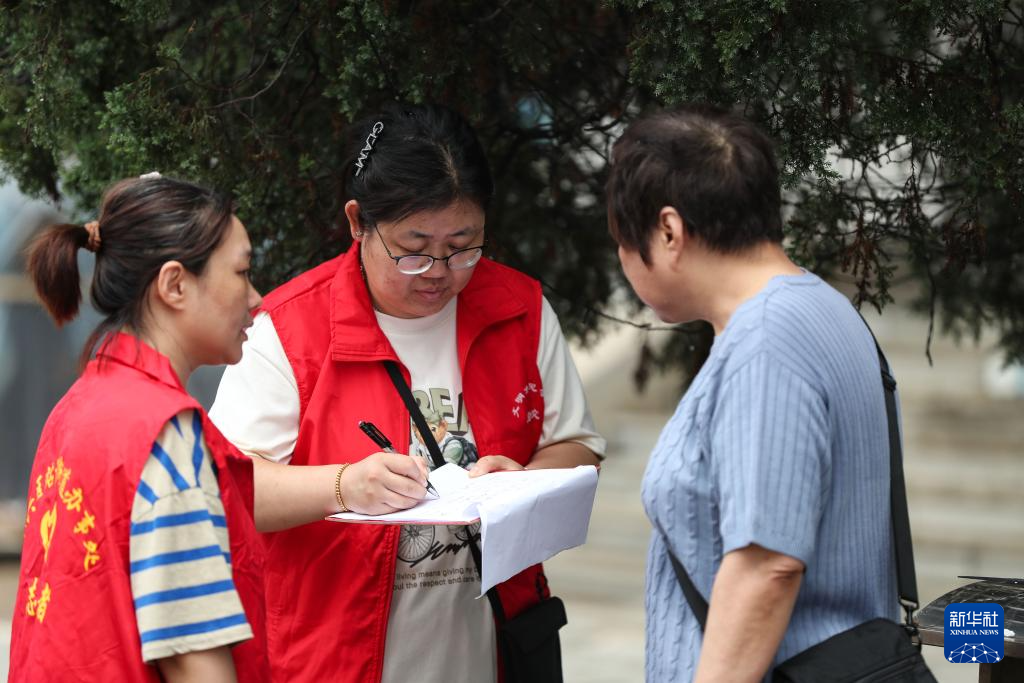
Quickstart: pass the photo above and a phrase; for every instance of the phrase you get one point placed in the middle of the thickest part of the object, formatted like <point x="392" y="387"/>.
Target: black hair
<point x="716" y="169"/>
<point x="143" y="224"/>
<point x="423" y="157"/>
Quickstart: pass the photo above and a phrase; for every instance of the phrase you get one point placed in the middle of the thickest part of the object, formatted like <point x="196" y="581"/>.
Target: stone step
<point x="965" y="442"/>
<point x="5" y="647"/>
<point x="590" y="573"/>
<point x="603" y="641"/>
<point x="940" y="564"/>
<point x="973" y="526"/>
<point x="947" y="475"/>
<point x="999" y="432"/>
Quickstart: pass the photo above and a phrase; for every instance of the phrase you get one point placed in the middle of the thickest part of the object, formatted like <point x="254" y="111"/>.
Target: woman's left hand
<point x="494" y="463"/>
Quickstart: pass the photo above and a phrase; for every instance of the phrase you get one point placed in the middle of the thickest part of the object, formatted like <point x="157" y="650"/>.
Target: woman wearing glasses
<point x="478" y="345"/>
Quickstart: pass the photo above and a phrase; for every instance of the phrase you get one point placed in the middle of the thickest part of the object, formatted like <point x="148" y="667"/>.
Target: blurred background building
<point x="963" y="432"/>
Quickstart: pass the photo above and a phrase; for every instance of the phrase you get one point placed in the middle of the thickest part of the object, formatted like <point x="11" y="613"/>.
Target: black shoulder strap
<point x="414" y="412"/>
<point x="698" y="605"/>
<point x="906" y="579"/>
<point x="906" y="575"/>
<point x="435" y="455"/>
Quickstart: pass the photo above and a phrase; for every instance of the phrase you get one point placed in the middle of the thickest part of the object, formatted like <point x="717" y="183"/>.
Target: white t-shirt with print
<point x="437" y="628"/>
<point x="436" y="623"/>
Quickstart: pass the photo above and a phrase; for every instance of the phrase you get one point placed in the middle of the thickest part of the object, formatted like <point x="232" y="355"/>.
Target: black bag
<point x="876" y="651"/>
<point x="528" y="644"/>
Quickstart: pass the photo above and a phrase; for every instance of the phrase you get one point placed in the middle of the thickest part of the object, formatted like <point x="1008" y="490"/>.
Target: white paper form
<point x="525" y="517"/>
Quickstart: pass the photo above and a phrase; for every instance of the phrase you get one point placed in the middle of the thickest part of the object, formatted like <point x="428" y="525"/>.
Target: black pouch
<point x="529" y="644"/>
<point x="875" y="651"/>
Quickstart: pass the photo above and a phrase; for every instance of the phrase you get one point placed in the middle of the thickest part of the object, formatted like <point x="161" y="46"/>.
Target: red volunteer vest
<point x="329" y="585"/>
<point x="74" y="617"/>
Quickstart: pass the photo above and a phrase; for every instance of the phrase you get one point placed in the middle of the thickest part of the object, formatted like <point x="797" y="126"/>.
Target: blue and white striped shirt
<point x="185" y="598"/>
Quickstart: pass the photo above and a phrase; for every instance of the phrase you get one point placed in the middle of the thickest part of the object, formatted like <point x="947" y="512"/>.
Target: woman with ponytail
<point x="140" y="558"/>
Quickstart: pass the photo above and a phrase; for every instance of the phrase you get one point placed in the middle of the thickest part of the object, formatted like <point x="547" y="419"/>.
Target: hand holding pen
<point x="381" y="483"/>
<point x="384" y="444"/>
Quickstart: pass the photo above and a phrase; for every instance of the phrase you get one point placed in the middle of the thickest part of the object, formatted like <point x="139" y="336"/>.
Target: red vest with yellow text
<point x="329" y="585"/>
<point x="74" y="618"/>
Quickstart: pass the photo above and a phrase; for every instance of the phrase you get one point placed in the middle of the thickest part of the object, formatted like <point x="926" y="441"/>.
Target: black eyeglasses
<point x="414" y="264"/>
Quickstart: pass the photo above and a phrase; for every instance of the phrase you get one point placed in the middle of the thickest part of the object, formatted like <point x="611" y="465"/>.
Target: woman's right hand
<point x="384" y="482"/>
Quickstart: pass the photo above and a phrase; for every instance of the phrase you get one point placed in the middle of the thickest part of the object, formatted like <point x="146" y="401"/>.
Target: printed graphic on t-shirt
<point x="432" y="553"/>
<point x="420" y="543"/>
<point x="436" y="407"/>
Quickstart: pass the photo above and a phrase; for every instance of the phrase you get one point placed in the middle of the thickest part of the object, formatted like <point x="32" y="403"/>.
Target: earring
<point x="359" y="233"/>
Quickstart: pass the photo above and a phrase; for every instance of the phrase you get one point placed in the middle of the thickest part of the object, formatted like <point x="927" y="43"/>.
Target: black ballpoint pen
<point x="378" y="438"/>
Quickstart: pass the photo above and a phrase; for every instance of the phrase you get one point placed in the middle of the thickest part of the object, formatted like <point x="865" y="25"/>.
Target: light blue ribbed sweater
<point x="781" y="440"/>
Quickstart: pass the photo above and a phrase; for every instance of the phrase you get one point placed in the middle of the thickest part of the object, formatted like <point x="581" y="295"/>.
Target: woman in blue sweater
<point x="770" y="482"/>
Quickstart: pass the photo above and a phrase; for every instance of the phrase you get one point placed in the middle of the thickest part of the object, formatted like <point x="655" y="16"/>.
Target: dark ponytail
<point x="143" y="223"/>
<point x="53" y="267"/>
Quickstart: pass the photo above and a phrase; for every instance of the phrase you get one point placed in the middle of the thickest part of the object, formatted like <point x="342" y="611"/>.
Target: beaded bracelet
<point x="337" y="488"/>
